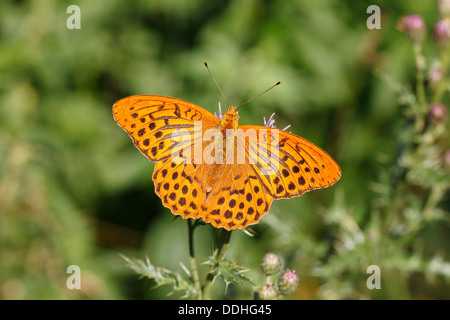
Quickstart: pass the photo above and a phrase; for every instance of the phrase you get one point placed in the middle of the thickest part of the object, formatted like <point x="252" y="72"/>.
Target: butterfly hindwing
<point x="179" y="187"/>
<point x="237" y="200"/>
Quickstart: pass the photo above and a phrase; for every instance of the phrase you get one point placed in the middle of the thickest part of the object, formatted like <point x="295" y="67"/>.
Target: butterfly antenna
<point x="276" y="84"/>
<point x="218" y="87"/>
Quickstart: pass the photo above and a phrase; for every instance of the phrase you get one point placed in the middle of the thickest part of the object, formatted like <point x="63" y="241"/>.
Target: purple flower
<point x="220" y="116"/>
<point x="444" y="8"/>
<point x="270" y="123"/>
<point x="413" y="26"/>
<point x="441" y="34"/>
<point x="437" y="113"/>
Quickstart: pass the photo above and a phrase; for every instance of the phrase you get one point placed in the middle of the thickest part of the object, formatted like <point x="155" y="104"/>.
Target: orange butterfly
<point x="213" y="169"/>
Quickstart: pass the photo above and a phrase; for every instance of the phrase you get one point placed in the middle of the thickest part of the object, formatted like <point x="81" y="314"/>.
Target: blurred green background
<point x="75" y="191"/>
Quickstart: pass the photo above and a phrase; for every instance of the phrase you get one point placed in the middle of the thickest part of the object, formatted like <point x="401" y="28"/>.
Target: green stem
<point x="391" y="210"/>
<point x="443" y="84"/>
<point x="219" y="253"/>
<point x="194" y="269"/>
<point x="420" y="87"/>
<point x="436" y="193"/>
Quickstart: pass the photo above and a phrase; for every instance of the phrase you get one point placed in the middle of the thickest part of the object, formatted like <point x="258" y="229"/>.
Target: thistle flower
<point x="288" y="282"/>
<point x="270" y="263"/>
<point x="413" y="26"/>
<point x="267" y="292"/>
<point x="437" y="113"/>
<point x="270" y="123"/>
<point x="220" y="115"/>
<point x="441" y="33"/>
<point x="444" y="8"/>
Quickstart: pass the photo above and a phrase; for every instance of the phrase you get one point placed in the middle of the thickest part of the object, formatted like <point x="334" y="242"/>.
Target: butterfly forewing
<point x="288" y="165"/>
<point x="159" y="126"/>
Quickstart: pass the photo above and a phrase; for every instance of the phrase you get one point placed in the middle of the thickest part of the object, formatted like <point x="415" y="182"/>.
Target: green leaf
<point x="162" y="276"/>
<point x="230" y="271"/>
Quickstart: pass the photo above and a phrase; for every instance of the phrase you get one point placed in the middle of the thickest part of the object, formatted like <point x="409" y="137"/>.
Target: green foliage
<point x="74" y="190"/>
<point x="163" y="277"/>
<point x="229" y="271"/>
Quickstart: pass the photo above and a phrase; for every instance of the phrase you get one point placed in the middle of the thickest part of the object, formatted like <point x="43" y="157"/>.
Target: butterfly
<point x="229" y="180"/>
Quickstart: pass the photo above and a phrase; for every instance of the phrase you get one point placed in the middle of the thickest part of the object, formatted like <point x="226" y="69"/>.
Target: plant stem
<point x="442" y="85"/>
<point x="194" y="269"/>
<point x="219" y="253"/>
<point x="420" y="87"/>
<point x="436" y="194"/>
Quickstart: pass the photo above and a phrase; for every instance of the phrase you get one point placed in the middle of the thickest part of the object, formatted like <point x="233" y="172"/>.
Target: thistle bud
<point x="413" y="26"/>
<point x="447" y="158"/>
<point x="267" y="292"/>
<point x="270" y="263"/>
<point x="441" y="33"/>
<point x="437" y="113"/>
<point x="434" y="76"/>
<point x="288" y="282"/>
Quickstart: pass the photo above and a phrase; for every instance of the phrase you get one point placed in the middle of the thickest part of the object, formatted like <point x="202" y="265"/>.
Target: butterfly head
<point x="230" y="119"/>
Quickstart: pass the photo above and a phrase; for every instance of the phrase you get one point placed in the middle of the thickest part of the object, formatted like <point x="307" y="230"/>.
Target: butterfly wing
<point x="288" y="165"/>
<point x="163" y="129"/>
<point x="160" y="126"/>
<point x="237" y="200"/>
<point x="180" y="188"/>
<point x="276" y="164"/>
